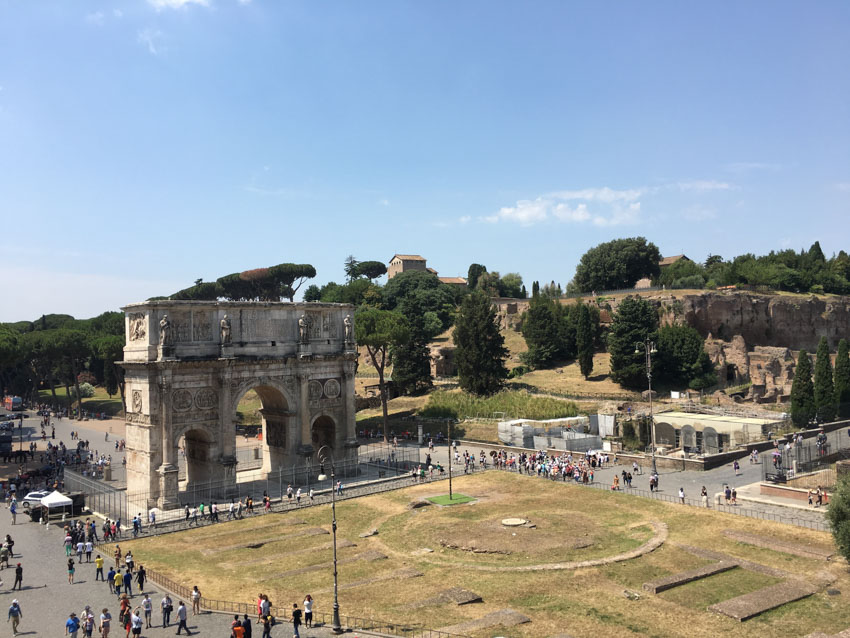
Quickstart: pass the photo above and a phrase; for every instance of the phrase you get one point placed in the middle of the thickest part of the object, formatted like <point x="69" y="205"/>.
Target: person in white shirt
<point x="147" y="607"/>
<point x="181" y="618"/>
<point x="308" y="611"/>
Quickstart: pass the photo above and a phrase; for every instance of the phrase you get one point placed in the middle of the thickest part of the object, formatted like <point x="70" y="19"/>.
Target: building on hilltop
<point x="403" y="263"/>
<point x="669" y="261"/>
<point x="453" y="281"/>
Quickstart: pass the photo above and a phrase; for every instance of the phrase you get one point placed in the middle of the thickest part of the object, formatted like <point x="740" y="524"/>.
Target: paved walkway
<point x="47" y="599"/>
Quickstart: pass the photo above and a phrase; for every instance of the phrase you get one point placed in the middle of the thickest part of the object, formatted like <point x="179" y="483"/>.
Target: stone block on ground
<point x="664" y="583"/>
<point x="371" y="532"/>
<point x="750" y="605"/>
<point x="454" y="595"/>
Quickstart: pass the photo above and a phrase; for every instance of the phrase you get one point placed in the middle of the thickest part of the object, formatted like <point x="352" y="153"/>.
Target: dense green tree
<point x="312" y="293"/>
<point x="535" y="288"/>
<point x="371" y="269"/>
<point x="682" y="272"/>
<point x="472" y="275"/>
<point x="357" y="291"/>
<point x="481" y="351"/>
<point x="111" y="349"/>
<point x="510" y="285"/>
<point x="803" y="392"/>
<point x="351" y="265"/>
<point x="838" y="515"/>
<point x="429" y="292"/>
<point x="634" y="321"/>
<point x="681" y="359"/>
<point x="412" y="359"/>
<point x="380" y="331"/>
<point x="540" y="329"/>
<point x="841" y="380"/>
<point x="584" y="340"/>
<point x="824" y="388"/>
<point x="617" y="264"/>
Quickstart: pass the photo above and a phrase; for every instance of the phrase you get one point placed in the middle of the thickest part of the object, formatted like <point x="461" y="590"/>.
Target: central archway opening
<point x="323" y="432"/>
<point x="196" y="447"/>
<point x="263" y="418"/>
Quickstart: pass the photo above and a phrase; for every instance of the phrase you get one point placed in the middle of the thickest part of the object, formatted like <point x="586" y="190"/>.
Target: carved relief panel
<point x="138" y="326"/>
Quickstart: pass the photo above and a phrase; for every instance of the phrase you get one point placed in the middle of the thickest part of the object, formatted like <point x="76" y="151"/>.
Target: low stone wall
<point x="784" y="491"/>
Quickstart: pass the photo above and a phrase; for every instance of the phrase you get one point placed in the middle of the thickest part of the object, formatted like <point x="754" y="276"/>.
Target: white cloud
<point x="702" y="185"/>
<point x="465" y="219"/>
<point x="606" y="195"/>
<point x="566" y="214"/>
<point x="159" y="5"/>
<point x="152" y="38"/>
<point x="97" y="18"/>
<point x="526" y="212"/>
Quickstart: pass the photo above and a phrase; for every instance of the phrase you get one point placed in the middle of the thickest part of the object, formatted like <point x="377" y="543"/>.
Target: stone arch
<point x="276" y="418"/>
<point x="323" y="431"/>
<point x="710" y="440"/>
<point x="200" y="453"/>
<point x="688" y="437"/>
<point x="665" y="435"/>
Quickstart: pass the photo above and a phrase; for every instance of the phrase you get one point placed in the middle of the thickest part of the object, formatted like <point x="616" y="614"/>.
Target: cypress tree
<point x="842" y="380"/>
<point x="635" y="321"/>
<point x="803" y="392"/>
<point x="824" y="389"/>
<point x="584" y="340"/>
<point x="481" y="351"/>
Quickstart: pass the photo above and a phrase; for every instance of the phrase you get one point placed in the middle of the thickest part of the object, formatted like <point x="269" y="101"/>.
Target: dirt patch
<point x="365" y="556"/>
<point x="455" y="595"/>
<point x="501" y="618"/>
<point x="310" y="531"/>
<point x="399" y="574"/>
<point x="779" y="545"/>
<point x="341" y="543"/>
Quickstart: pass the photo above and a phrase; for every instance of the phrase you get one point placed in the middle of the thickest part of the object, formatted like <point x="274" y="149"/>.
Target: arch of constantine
<point x="188" y="363"/>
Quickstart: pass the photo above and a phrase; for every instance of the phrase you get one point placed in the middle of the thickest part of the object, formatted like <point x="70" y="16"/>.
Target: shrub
<point x="817" y="289"/>
<point x="86" y="390"/>
<point x="86" y="377"/>
<point x="518" y="372"/>
<point x="514" y="403"/>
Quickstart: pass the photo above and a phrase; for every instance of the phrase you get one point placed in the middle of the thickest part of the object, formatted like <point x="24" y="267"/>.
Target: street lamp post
<point x="323" y="454"/>
<point x="649" y="349"/>
<point x="449" y="437"/>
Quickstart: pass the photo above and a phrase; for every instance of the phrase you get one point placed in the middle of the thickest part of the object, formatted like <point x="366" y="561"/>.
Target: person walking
<point x="246" y="626"/>
<point x="128" y="583"/>
<point x="89" y="550"/>
<point x="98" y="564"/>
<point x="117" y="582"/>
<point x="266" y="622"/>
<point x="13" y="510"/>
<point x="682" y="495"/>
<point x="196" y="601"/>
<point x="15" y="615"/>
<point x="141" y="577"/>
<point x="704" y="496"/>
<point x="19" y="577"/>
<point x="72" y="625"/>
<point x="296" y="620"/>
<point x="110" y="580"/>
<point x="166" y="607"/>
<point x="181" y="618"/>
<point x="147" y="607"/>
<point x="105" y="622"/>
<point x="68" y="542"/>
<point x="70" y="571"/>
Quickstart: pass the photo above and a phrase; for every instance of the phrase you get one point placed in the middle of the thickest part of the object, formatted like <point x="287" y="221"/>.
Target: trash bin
<point x="107" y="473"/>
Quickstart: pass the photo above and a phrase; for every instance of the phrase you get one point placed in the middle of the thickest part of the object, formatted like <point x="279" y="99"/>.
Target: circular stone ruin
<point x="514" y="522"/>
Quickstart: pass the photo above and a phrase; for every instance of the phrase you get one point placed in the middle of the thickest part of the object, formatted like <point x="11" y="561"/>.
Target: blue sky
<point x="146" y="143"/>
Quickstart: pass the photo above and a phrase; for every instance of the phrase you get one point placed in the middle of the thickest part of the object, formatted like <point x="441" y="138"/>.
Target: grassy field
<point x="287" y="556"/>
<point x="518" y="404"/>
<point x="567" y="379"/>
<point x="100" y="402"/>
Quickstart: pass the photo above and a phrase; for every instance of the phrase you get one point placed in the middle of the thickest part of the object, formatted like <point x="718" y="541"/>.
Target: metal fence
<point x="376" y="461"/>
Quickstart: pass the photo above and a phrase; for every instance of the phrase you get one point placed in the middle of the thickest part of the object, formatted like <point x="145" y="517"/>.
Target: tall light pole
<point x="323" y="454"/>
<point x="449" y="436"/>
<point x="649" y="349"/>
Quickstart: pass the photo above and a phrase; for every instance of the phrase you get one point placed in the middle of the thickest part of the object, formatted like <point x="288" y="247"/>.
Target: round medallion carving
<point x="206" y="399"/>
<point x="314" y="389"/>
<point x="181" y="400"/>
<point x="137" y="401"/>
<point x="332" y="388"/>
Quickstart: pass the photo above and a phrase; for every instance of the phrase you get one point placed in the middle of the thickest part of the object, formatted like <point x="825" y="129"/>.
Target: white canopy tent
<point x="56" y="499"/>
